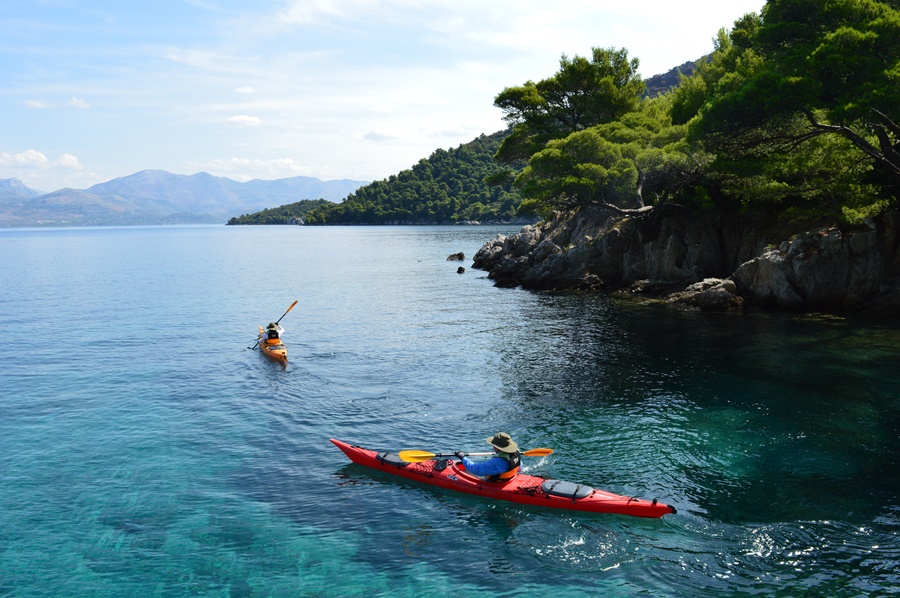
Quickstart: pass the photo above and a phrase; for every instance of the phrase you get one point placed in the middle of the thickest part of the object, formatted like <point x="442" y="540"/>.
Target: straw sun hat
<point x="502" y="442"/>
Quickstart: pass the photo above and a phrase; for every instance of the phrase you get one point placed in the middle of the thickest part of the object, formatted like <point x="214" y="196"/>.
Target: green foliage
<point x="535" y="207"/>
<point x="794" y="114"/>
<point x="448" y="187"/>
<point x="805" y="73"/>
<point x="816" y="183"/>
<point x="582" y="169"/>
<point x="731" y="61"/>
<point x="292" y="213"/>
<point x="637" y="160"/>
<point x="582" y="94"/>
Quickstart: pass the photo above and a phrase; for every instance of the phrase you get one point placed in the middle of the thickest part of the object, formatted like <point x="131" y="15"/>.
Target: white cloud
<point x="35" y="159"/>
<point x="306" y="11"/>
<point x="37" y="104"/>
<point x="245" y="89"/>
<point x="30" y="158"/>
<point x="70" y="161"/>
<point x="79" y="103"/>
<point x="242" y="120"/>
<point x="245" y="169"/>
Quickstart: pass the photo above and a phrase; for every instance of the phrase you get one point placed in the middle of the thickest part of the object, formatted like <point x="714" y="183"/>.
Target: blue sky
<point x="94" y="90"/>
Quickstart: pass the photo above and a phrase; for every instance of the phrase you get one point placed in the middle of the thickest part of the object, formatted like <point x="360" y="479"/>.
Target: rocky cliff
<point x="709" y="262"/>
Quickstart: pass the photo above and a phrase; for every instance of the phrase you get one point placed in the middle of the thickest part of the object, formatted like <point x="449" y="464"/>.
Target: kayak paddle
<point x="278" y="320"/>
<point x="288" y="309"/>
<point x="418" y="456"/>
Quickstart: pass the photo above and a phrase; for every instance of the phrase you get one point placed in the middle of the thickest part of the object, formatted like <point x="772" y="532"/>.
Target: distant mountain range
<point x="159" y="197"/>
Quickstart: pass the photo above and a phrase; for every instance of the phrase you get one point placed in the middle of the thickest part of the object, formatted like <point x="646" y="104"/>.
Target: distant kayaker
<point x="273" y="331"/>
<point x="500" y="468"/>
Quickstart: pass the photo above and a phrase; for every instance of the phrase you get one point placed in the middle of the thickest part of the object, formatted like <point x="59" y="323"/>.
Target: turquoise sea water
<point x="146" y="451"/>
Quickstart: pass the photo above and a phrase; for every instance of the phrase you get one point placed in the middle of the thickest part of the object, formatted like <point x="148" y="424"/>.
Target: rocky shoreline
<point x="705" y="263"/>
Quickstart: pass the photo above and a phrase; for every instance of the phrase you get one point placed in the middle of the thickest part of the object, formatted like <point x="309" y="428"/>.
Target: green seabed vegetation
<point x="793" y="117"/>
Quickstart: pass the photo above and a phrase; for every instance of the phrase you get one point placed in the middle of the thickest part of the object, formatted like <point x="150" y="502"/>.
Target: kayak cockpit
<point x="459" y="469"/>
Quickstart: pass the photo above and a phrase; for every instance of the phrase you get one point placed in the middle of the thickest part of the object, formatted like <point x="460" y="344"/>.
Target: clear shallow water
<point x="137" y="461"/>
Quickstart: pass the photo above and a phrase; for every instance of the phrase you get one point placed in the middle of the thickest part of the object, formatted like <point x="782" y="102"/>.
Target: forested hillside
<point x="665" y="82"/>
<point x="447" y="187"/>
<point x="292" y="213"/>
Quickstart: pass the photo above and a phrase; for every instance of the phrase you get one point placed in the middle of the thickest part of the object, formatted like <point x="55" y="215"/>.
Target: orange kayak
<point x="272" y="348"/>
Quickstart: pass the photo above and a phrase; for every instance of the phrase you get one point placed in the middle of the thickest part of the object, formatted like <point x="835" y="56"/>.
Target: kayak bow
<point x="523" y="488"/>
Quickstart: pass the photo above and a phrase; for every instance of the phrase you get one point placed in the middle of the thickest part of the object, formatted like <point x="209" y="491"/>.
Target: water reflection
<point x="739" y="418"/>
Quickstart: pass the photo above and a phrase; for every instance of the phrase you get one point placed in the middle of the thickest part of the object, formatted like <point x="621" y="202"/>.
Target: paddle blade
<point x="288" y="310"/>
<point x="416" y="456"/>
<point x="538" y="452"/>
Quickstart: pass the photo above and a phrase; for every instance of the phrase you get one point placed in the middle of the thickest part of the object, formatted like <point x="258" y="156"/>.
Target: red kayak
<point x="523" y="488"/>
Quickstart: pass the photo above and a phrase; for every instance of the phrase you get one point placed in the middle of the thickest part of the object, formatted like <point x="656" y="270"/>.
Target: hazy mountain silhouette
<point x="160" y="197"/>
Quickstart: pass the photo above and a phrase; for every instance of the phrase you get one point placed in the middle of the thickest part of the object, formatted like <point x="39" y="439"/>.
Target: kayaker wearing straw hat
<point x="274" y="331"/>
<point x="500" y="468"/>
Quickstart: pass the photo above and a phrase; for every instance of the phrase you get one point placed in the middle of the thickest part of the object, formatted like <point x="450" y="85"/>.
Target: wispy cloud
<point x="37" y="104"/>
<point x="244" y="89"/>
<point x="376" y="135"/>
<point x="308" y="11"/>
<point x="245" y="169"/>
<point x="242" y="120"/>
<point x="78" y="103"/>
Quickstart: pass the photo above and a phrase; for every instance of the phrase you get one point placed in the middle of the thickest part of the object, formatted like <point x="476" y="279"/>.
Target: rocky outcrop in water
<point x="708" y="263"/>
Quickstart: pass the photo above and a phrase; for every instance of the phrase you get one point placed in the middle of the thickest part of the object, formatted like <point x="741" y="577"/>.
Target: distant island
<point x="292" y="213"/>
